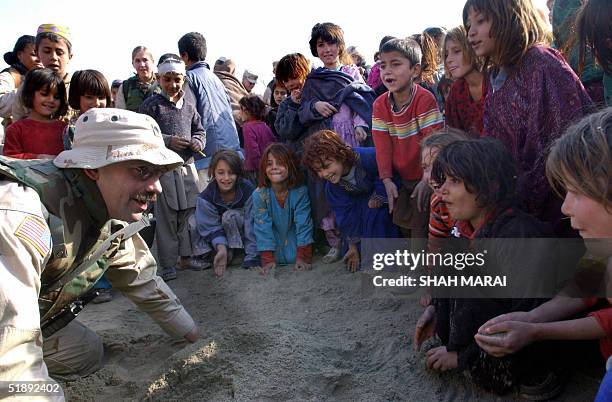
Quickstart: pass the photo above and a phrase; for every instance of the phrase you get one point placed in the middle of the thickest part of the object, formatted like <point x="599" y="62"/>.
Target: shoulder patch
<point x="34" y="231"/>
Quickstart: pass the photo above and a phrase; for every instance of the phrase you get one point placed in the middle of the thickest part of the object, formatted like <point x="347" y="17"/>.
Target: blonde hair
<point x="581" y="159"/>
<point x="459" y="36"/>
<point x="516" y="27"/>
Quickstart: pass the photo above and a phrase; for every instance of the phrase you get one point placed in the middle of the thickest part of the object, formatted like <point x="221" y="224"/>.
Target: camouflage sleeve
<point x="25" y="244"/>
<point x="133" y="271"/>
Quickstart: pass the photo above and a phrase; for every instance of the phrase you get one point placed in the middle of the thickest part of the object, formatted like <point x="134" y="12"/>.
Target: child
<point x="283" y="226"/>
<point x="224" y="215"/>
<point x="335" y="96"/>
<point x="595" y="32"/>
<point x="88" y="90"/>
<point x="477" y="183"/>
<point x="114" y="91"/>
<point x="579" y="164"/>
<point x="140" y="86"/>
<point x="257" y="135"/>
<point x="533" y="94"/>
<point x="182" y="130"/>
<point x="401" y="119"/>
<point x="40" y="135"/>
<point x="353" y="190"/>
<point x="54" y="49"/>
<point x="432" y="69"/>
<point x="279" y="94"/>
<point x="465" y="103"/>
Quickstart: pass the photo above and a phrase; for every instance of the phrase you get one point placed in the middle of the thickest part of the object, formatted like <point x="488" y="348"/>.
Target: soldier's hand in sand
<point x="422" y="192"/>
<point x="391" y="190"/>
<point x="179" y="143"/>
<point x="220" y="261"/>
<point x="267" y="268"/>
<point x="302" y="266"/>
<point x="192" y="335"/>
<point x="441" y="359"/>
<point x="325" y="109"/>
<point x="425" y="327"/>
<point x="351" y="258"/>
<point x="506" y="337"/>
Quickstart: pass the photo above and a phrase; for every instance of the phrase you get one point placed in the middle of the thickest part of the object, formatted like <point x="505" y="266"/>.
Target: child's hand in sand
<point x="267" y="268"/>
<point x="351" y="258"/>
<point x="505" y="337"/>
<point x="425" y="327"/>
<point x="302" y="266"/>
<point x="441" y="359"/>
<point x="220" y="261"/>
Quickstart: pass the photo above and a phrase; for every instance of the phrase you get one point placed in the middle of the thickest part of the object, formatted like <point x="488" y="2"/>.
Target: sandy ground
<point x="306" y="336"/>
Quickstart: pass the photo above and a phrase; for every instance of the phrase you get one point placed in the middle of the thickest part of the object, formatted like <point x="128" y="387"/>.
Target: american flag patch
<point x="34" y="231"/>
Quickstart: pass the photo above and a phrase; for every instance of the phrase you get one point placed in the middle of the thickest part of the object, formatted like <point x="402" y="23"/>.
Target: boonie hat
<point x="106" y="136"/>
<point x="250" y="77"/>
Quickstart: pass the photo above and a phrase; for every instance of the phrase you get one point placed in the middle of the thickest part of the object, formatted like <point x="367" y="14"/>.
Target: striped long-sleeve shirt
<point x="397" y="135"/>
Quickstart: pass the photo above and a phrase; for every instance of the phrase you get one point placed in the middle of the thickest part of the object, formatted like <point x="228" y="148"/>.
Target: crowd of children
<point x="482" y="131"/>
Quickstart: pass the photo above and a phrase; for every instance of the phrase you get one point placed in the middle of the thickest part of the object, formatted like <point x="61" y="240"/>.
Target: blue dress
<point x="282" y="230"/>
<point x="354" y="218"/>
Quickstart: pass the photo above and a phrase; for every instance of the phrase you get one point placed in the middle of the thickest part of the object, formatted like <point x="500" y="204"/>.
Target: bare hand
<point x="392" y="194"/>
<point x="179" y="143"/>
<point x="220" y="261"/>
<point x="196" y="146"/>
<point x="506" y="337"/>
<point x="296" y="95"/>
<point x="523" y="316"/>
<point x="425" y="327"/>
<point x="422" y="192"/>
<point x="192" y="335"/>
<point x="325" y="109"/>
<point x="302" y="266"/>
<point x="351" y="258"/>
<point x="426" y="298"/>
<point x="441" y="359"/>
<point x="360" y="134"/>
<point x="375" y="203"/>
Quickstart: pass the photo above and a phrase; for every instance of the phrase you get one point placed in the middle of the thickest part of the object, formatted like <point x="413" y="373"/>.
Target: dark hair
<point x="141" y="49"/>
<point x="581" y="159"/>
<point x="515" y="25"/>
<point x="254" y="105"/>
<point x="286" y="157"/>
<point x="87" y="82"/>
<point x="194" y="44"/>
<point x="486" y="168"/>
<point x="330" y="33"/>
<point x="11" y="57"/>
<point x="276" y="84"/>
<point x="594" y="30"/>
<point x="54" y="38"/>
<point x="116" y="83"/>
<point x="409" y="48"/>
<point x="325" y="145"/>
<point x="384" y="40"/>
<point x="44" y="79"/>
<point x="168" y="56"/>
<point x="230" y="157"/>
<point x="435" y="32"/>
<point x="292" y="66"/>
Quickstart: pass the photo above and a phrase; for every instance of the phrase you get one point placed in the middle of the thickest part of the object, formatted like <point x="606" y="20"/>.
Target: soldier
<point x="64" y="223"/>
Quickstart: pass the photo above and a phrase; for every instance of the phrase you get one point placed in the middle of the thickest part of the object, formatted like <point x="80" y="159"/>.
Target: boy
<point x="54" y="49"/>
<point x="182" y="131"/>
<point x="400" y="119"/>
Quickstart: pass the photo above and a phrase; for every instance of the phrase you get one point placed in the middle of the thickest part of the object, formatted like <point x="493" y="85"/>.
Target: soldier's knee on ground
<point x="73" y="352"/>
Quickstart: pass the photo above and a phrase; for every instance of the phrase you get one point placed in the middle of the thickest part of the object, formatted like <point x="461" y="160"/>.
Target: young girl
<point x="353" y="189"/>
<point x="465" y="103"/>
<point x="279" y="94"/>
<point x="477" y="183"/>
<point x="40" y="135"/>
<point x="257" y="135"/>
<point x="533" y="93"/>
<point x="331" y="93"/>
<point x="88" y="89"/>
<point x="432" y="69"/>
<point x="22" y="59"/>
<point x="224" y="216"/>
<point x="283" y="226"/>
<point x="595" y="33"/>
<point x="139" y="87"/>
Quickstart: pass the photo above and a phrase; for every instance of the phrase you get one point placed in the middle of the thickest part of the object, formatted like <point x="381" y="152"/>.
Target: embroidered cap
<point x="106" y="136"/>
<point x="59" y="30"/>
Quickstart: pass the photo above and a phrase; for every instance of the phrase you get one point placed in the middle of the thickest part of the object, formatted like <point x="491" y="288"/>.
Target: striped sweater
<point x="397" y="135"/>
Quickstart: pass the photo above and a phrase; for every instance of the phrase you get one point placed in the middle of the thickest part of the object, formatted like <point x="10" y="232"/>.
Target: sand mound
<point x="292" y="336"/>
